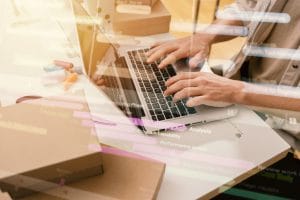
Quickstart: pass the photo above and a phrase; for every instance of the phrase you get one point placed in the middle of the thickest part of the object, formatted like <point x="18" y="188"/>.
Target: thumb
<point x="202" y="100"/>
<point x="196" y="101"/>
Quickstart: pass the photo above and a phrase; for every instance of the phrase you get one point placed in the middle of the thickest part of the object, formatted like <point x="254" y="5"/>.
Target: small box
<point x="142" y="25"/>
<point x="127" y="176"/>
<point x="44" y="146"/>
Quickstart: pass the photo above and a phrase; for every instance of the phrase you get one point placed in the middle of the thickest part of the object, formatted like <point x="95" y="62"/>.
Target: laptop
<point x="135" y="86"/>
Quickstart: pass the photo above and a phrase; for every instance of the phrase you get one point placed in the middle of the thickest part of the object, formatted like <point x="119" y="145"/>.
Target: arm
<point x="280" y="97"/>
<point x="269" y="101"/>
<point x="205" y="87"/>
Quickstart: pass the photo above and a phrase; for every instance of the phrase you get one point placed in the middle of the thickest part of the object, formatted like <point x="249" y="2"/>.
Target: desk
<point x="202" y="161"/>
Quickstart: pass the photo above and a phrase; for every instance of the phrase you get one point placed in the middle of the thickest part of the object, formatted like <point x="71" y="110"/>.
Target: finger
<point x="179" y="85"/>
<point x="161" y="52"/>
<point x="182" y="76"/>
<point x="187" y="92"/>
<point x="156" y="44"/>
<point x="152" y="50"/>
<point x="198" y="59"/>
<point x="196" y="101"/>
<point x="171" y="59"/>
<point x="155" y="47"/>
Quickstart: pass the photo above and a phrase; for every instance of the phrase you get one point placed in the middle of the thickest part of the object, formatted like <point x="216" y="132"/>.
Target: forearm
<point x="252" y="98"/>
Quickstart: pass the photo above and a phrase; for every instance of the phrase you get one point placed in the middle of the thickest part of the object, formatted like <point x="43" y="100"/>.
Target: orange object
<point x="63" y="64"/>
<point x="70" y="80"/>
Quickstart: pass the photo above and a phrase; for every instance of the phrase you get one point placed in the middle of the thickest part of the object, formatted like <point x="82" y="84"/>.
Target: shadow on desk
<point x="278" y="182"/>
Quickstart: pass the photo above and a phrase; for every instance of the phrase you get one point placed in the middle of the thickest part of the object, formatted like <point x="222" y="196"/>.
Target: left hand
<point x="203" y="87"/>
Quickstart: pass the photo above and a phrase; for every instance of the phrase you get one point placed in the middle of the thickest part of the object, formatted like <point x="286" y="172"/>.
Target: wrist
<point x="207" y="39"/>
<point x="239" y="94"/>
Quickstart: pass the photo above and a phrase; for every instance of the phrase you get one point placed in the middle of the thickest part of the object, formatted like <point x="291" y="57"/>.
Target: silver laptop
<point x="135" y="86"/>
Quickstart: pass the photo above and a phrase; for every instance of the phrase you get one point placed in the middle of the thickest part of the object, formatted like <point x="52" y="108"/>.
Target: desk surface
<point x="201" y="161"/>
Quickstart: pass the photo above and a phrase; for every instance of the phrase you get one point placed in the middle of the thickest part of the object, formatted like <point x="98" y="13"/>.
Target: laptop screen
<point x="99" y="57"/>
<point x="92" y="50"/>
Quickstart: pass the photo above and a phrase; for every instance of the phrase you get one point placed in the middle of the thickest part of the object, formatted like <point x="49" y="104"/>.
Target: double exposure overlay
<point x="149" y="99"/>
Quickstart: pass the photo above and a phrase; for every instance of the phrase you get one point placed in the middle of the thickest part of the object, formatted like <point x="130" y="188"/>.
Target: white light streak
<point x="187" y="27"/>
<point x="253" y="16"/>
<point x="270" y="52"/>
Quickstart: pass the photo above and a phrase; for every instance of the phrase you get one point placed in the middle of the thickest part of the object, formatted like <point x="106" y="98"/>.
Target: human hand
<point x="197" y="47"/>
<point x="204" y="87"/>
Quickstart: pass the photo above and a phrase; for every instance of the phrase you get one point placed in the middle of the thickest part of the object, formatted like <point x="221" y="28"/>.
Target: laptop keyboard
<point x="152" y="83"/>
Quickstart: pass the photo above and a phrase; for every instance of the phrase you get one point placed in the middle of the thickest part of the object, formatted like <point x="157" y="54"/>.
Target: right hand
<point x="195" y="47"/>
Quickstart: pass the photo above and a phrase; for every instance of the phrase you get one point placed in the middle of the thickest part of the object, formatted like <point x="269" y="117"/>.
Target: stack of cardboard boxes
<point x="157" y="21"/>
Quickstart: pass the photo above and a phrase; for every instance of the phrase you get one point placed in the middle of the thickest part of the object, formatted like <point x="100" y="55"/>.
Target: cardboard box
<point x="135" y="6"/>
<point x="126" y="177"/>
<point x="141" y="25"/>
<point x="43" y="146"/>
